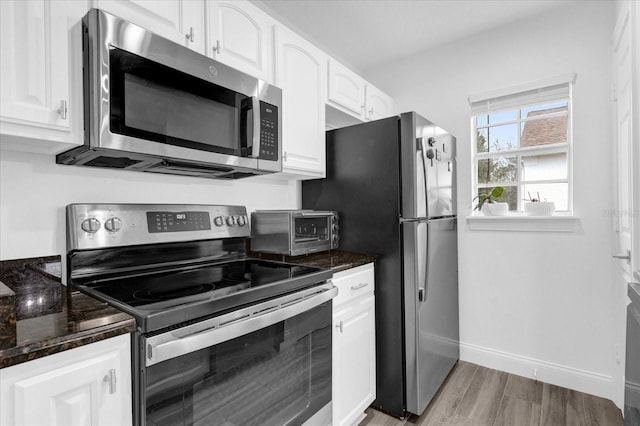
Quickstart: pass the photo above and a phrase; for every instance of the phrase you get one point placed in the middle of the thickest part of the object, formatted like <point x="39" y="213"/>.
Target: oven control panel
<point x="91" y="226"/>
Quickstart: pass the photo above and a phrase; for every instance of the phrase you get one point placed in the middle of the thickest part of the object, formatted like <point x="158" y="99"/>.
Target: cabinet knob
<point x="62" y="109"/>
<point x="190" y="36"/>
<point x="111" y="379"/>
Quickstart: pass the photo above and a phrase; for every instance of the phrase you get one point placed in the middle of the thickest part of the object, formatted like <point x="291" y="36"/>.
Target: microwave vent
<point x="112" y="162"/>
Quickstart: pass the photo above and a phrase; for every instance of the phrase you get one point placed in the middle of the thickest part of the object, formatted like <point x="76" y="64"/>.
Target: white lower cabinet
<point x="89" y="386"/>
<point x="354" y="357"/>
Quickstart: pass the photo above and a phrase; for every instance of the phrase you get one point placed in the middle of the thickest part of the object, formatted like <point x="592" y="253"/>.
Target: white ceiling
<point x="366" y="33"/>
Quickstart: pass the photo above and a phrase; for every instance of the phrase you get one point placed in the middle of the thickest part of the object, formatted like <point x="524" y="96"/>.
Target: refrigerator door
<point x="431" y="307"/>
<point x="428" y="158"/>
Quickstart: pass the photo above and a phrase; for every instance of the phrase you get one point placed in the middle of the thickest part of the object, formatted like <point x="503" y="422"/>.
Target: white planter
<point x="495" y="209"/>
<point x="543" y="208"/>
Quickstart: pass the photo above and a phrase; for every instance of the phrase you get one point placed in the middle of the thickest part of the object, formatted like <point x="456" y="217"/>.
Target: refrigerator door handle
<point x="422" y="259"/>
<point x="427" y="256"/>
<point x="423" y="150"/>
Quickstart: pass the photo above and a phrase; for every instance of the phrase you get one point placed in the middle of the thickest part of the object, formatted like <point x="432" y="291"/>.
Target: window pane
<point x="544" y="167"/>
<point x="497" y="170"/>
<point x="503" y="116"/>
<point x="544" y="109"/>
<point x="556" y="192"/>
<point x="509" y="195"/>
<point x="482" y="136"/>
<point x="543" y="131"/>
<point x="482" y="120"/>
<point x="503" y="138"/>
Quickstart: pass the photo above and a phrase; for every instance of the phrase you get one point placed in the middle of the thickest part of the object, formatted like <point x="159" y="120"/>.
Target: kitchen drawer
<point x="353" y="283"/>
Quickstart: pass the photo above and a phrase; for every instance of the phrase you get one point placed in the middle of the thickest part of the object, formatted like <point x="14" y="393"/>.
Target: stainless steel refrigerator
<point x="393" y="183"/>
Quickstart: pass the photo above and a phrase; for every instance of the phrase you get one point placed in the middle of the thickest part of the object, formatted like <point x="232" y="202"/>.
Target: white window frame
<point x="540" y="92"/>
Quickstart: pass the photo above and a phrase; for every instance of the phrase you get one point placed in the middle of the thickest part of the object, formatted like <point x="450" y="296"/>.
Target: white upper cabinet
<point x="301" y="73"/>
<point x="378" y="103"/>
<point x="40" y="58"/>
<point x="353" y="95"/>
<point x="241" y="35"/>
<point x="179" y="20"/>
<point x="346" y="88"/>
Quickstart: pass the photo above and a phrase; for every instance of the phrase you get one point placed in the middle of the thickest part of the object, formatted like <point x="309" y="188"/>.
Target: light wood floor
<point x="478" y="396"/>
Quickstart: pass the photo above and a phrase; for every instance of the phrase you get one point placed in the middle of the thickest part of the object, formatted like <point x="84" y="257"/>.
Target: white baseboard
<point x="560" y="375"/>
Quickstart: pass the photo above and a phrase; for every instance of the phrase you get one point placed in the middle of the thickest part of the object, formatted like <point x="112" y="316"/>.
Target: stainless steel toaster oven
<point x="294" y="232"/>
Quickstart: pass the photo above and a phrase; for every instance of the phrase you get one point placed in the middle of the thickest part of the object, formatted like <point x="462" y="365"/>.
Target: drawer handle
<point x="359" y="286"/>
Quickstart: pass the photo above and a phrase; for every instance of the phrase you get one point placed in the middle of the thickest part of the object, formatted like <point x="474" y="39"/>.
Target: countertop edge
<point x="32" y="351"/>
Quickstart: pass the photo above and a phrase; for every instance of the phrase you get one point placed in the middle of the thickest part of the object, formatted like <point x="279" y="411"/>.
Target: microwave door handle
<point x="255" y="102"/>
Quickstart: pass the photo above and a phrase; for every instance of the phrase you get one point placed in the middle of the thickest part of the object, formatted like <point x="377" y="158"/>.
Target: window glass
<point x="556" y="192"/>
<point x="482" y="138"/>
<point x="497" y="170"/>
<point x="544" y="167"/>
<point x="509" y="195"/>
<point x="503" y="138"/>
<point x="503" y="116"/>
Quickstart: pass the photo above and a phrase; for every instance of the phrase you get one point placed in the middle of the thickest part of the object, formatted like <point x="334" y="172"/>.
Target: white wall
<point x="34" y="192"/>
<point x="530" y="300"/>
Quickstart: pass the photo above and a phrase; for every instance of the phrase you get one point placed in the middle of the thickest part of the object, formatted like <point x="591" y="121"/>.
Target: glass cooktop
<point x="165" y="298"/>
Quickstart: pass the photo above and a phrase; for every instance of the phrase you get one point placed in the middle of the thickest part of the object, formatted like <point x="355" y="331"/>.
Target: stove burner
<point x="158" y="294"/>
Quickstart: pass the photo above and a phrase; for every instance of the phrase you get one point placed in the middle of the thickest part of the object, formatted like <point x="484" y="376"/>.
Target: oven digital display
<point x="178" y="222"/>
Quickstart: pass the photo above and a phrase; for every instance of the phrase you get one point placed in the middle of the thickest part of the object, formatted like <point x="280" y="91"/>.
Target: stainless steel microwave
<point x="153" y="105"/>
<point x="294" y="232"/>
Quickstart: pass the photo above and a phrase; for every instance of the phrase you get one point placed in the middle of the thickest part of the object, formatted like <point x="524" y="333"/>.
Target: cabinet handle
<point x="190" y="36"/>
<point x="340" y="327"/>
<point x="216" y="48"/>
<point x="62" y="109"/>
<point x="370" y="112"/>
<point x="111" y="379"/>
<point x="359" y="286"/>
<point x="284" y="156"/>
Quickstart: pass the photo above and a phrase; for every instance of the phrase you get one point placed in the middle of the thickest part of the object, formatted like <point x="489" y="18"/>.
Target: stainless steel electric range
<point x="222" y="339"/>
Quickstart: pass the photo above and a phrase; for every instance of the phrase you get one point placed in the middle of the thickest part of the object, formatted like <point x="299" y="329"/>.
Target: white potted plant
<point x="535" y="207"/>
<point x="488" y="204"/>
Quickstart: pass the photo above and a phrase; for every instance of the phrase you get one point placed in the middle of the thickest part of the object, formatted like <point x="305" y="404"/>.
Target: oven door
<point x="267" y="364"/>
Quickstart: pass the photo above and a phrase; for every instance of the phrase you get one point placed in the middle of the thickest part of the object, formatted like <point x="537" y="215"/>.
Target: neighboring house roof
<point x="545" y="130"/>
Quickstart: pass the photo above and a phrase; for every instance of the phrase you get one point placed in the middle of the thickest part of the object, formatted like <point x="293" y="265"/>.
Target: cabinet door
<point x="34" y="61"/>
<point x="301" y="73"/>
<point x="41" y="75"/>
<point x="90" y="385"/>
<point x="354" y="361"/>
<point x="179" y="20"/>
<point x="241" y="36"/>
<point x="379" y="104"/>
<point x="346" y="89"/>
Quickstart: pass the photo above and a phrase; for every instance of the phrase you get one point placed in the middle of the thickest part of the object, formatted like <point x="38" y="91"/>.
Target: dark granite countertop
<point x="335" y="260"/>
<point x="39" y="316"/>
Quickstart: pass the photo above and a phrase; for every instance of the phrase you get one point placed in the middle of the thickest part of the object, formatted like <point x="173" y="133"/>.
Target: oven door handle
<point x="216" y="330"/>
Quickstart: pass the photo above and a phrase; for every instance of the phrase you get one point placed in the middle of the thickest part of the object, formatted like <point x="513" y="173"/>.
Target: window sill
<point x="522" y="223"/>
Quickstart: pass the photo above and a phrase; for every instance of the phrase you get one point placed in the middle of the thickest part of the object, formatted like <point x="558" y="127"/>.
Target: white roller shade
<point x="515" y="97"/>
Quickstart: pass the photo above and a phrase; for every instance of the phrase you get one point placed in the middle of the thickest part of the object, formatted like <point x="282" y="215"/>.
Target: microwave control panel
<point x="268" y="132"/>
